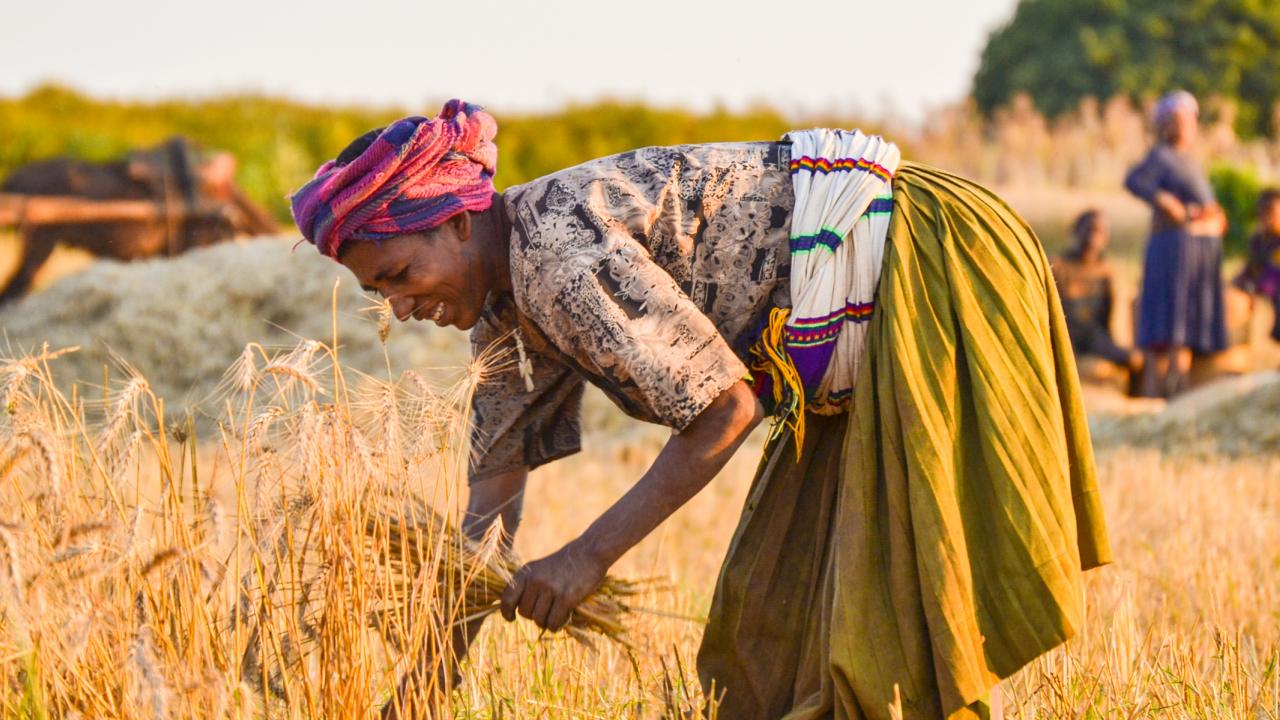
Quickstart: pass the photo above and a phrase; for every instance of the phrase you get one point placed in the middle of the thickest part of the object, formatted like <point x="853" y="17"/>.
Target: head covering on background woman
<point x="1173" y="104"/>
<point x="1176" y="101"/>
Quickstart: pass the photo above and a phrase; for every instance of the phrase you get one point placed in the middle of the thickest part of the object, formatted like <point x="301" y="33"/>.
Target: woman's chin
<point x="466" y="323"/>
<point x="464" y="320"/>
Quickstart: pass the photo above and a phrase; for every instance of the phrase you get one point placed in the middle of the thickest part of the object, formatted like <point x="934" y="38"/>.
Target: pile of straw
<point x="182" y="321"/>
<point x="1235" y="417"/>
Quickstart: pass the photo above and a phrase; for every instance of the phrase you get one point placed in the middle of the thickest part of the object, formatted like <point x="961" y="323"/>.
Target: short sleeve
<point x="607" y="305"/>
<point x="513" y="426"/>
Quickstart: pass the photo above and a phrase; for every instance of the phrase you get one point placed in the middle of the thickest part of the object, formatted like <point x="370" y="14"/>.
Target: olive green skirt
<point x="933" y="539"/>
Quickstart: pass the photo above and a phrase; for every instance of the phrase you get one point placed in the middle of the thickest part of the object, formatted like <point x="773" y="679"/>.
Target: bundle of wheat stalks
<point x="297" y="569"/>
<point x="483" y="569"/>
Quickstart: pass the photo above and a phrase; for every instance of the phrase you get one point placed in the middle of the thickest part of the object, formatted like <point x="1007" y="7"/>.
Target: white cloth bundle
<point x="843" y="198"/>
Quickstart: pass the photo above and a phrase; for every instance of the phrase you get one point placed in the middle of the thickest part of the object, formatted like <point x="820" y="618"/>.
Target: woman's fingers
<point x="512" y="595"/>
<point x="534" y="601"/>
<point x="559" y="615"/>
<point x="533" y="590"/>
<point x="541" y="608"/>
<point x="546" y="591"/>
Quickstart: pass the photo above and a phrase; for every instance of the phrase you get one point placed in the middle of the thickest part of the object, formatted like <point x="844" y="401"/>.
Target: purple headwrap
<point x="417" y="174"/>
<point x="1175" y="102"/>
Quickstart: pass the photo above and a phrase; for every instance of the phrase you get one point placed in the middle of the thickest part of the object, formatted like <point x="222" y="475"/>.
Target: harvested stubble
<point x="302" y="585"/>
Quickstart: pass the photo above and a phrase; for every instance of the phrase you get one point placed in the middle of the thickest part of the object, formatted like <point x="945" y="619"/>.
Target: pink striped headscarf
<point x="417" y="174"/>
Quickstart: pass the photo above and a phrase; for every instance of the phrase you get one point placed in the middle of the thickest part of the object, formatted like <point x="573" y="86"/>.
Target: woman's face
<point x="1269" y="217"/>
<point x="1181" y="128"/>
<point x="435" y="276"/>
<point x="1096" y="234"/>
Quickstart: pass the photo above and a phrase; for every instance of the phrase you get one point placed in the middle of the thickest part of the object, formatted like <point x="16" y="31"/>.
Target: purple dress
<point x="1182" y="301"/>
<point x="1261" y="274"/>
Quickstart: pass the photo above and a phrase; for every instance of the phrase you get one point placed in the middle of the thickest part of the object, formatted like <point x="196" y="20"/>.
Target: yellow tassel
<point x="772" y="359"/>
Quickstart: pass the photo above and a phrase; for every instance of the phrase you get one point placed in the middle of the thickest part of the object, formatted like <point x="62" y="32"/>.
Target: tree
<point x="1060" y="51"/>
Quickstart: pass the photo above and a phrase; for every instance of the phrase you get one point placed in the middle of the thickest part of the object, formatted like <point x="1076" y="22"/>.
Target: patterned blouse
<point x="646" y="274"/>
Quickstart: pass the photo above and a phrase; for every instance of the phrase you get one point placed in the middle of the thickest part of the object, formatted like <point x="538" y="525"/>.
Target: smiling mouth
<point x="436" y="313"/>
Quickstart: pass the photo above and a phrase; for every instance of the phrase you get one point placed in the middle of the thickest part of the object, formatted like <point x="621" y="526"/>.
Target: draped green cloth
<point x="934" y="538"/>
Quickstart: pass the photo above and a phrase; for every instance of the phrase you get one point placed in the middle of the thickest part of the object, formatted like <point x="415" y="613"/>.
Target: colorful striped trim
<point x="824" y="166"/>
<point x="824" y="238"/>
<point x="852" y="311"/>
<point x="882" y="205"/>
<point x="803" y="344"/>
<point x="811" y="332"/>
<point x="814" y="337"/>
<point x="840" y="398"/>
<point x="830" y="239"/>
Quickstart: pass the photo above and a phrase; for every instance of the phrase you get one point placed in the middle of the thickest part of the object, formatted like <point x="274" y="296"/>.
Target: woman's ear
<point x="461" y="225"/>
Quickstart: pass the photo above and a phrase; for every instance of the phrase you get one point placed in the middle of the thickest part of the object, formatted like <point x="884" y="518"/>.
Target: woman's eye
<point x="402" y="275"/>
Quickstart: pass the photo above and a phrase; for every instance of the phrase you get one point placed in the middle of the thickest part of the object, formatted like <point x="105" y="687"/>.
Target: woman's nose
<point x="402" y="306"/>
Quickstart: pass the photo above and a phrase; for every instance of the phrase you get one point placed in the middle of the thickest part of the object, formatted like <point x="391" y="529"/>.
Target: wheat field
<point x="226" y="551"/>
<point x="124" y="538"/>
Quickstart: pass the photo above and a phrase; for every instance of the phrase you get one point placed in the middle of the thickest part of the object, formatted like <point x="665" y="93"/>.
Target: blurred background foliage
<point x="1237" y="189"/>
<point x="1061" y="101"/>
<point x="279" y="143"/>
<point x="1061" y="51"/>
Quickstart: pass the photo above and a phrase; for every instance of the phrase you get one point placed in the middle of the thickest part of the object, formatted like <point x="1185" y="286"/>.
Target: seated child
<point x="1084" y="280"/>
<point x="1261" y="274"/>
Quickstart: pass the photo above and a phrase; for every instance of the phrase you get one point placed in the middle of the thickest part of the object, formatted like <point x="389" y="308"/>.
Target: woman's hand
<point x="546" y="591"/>
<point x="1211" y="220"/>
<point x="1171" y="206"/>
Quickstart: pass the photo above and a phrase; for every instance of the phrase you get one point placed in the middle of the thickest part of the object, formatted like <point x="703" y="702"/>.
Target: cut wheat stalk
<point x="476" y="573"/>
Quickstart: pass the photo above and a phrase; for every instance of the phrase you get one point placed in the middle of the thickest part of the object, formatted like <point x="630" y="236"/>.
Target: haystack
<point x="1237" y="417"/>
<point x="182" y="321"/>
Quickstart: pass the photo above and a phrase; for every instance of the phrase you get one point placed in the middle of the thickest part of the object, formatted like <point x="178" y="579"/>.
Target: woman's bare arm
<point x="1169" y="204"/>
<point x="547" y="590"/>
<point x="500" y="495"/>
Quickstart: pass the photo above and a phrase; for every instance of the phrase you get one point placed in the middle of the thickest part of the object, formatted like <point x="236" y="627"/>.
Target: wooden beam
<point x="31" y="210"/>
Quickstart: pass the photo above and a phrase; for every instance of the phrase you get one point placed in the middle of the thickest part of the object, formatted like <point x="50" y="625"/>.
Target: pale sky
<point x="875" y="59"/>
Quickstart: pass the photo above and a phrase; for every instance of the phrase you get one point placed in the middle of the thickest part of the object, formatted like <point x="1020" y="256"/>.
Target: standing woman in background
<point x="1181" y="308"/>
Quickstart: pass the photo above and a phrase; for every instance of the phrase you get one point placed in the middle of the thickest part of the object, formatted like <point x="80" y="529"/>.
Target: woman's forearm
<point x="500" y="495"/>
<point x="547" y="590"/>
<point x="1171" y="206"/>
<point x="686" y="464"/>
